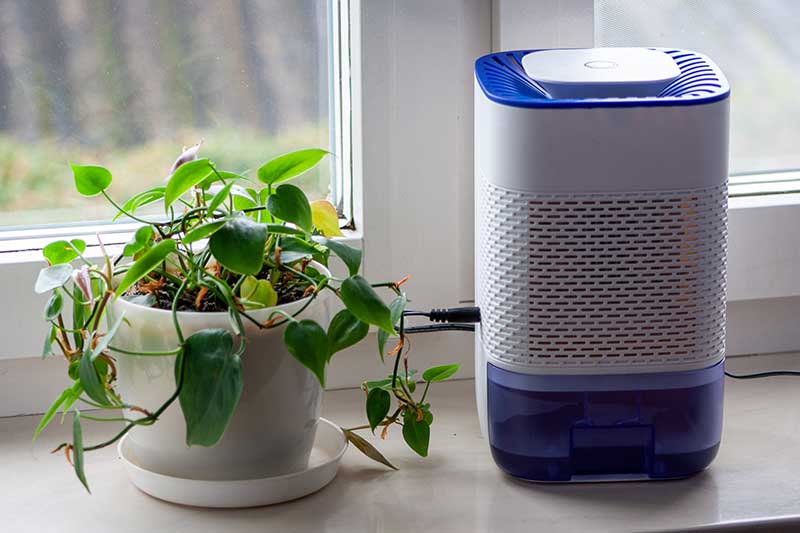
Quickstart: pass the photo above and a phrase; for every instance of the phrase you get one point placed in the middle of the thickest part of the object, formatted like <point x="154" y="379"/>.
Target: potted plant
<point x="211" y="330"/>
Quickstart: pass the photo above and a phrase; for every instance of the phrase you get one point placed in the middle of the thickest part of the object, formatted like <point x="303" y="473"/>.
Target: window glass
<point x="757" y="45"/>
<point x="126" y="84"/>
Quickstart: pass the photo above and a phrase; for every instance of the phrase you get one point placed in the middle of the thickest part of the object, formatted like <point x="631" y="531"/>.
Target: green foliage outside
<point x="36" y="185"/>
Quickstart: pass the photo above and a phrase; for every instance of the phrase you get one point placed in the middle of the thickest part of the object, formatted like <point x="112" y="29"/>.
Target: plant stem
<point x="425" y="392"/>
<point x="389" y="420"/>
<point x="298" y="273"/>
<point x="176" y="351"/>
<point x="132" y="216"/>
<point x="100" y="308"/>
<point x="140" y="422"/>
<point x="399" y="353"/>
<point x="64" y="339"/>
<point x="99" y="406"/>
<point x="175" y="321"/>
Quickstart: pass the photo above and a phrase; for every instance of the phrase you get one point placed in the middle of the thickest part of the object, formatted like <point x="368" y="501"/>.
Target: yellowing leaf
<point x="325" y="218"/>
<point x="257" y="293"/>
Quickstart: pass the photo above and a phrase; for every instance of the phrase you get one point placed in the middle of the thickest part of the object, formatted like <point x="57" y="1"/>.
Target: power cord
<point x="763" y="374"/>
<point x="464" y="315"/>
<point x="452" y="319"/>
<point x="439" y="327"/>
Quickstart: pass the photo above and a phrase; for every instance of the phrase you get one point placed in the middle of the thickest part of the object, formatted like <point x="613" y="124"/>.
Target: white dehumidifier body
<point x="601" y="196"/>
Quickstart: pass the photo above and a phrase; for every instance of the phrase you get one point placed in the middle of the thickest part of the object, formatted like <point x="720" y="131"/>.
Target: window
<point x="757" y="46"/>
<point x="126" y="84"/>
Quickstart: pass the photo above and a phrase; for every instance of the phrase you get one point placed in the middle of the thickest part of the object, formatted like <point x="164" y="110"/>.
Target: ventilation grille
<point x="503" y="80"/>
<point x="613" y="280"/>
<point x="698" y="77"/>
<point x="508" y="79"/>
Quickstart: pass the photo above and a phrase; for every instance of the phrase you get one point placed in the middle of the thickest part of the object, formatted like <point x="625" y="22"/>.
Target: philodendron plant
<point x="225" y="243"/>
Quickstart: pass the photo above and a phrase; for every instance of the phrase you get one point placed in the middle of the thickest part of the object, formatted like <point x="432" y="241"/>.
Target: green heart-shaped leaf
<point x="362" y="300"/>
<point x="221" y="175"/>
<point x="59" y="252"/>
<point x="440" y="373"/>
<point x="90" y="380"/>
<point x="349" y="255"/>
<point x="345" y="330"/>
<point x="417" y="433"/>
<point x="52" y="277"/>
<point x="49" y="339"/>
<point x="289" y="165"/>
<point x="212" y="385"/>
<point x="54" y="306"/>
<point x="201" y="231"/>
<point x="239" y="245"/>
<point x="91" y="180"/>
<point x="289" y="203"/>
<point x="220" y="197"/>
<point x="385" y="384"/>
<point x="257" y="293"/>
<point x="146" y="263"/>
<point x="308" y="343"/>
<point x="185" y="177"/>
<point x="139" y="242"/>
<point x="242" y="202"/>
<point x="378" y="403"/>
<point x="142" y="199"/>
<point x="293" y="249"/>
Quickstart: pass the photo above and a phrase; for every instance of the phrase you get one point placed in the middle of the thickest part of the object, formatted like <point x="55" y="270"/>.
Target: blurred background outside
<point x="126" y="84"/>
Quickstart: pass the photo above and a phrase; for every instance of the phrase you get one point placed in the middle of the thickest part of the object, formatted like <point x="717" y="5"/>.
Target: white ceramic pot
<point x="272" y="430"/>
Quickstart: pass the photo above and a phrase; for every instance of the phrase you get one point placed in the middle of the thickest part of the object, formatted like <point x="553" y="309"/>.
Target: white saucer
<point x="329" y="446"/>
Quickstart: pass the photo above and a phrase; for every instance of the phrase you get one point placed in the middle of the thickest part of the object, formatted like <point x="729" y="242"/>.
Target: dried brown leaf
<point x="367" y="449"/>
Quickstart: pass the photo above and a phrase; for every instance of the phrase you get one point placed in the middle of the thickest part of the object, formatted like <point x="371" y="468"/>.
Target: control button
<point x="600" y="64"/>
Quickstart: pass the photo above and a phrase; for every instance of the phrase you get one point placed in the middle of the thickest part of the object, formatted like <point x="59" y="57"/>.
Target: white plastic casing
<point x="600" y="238"/>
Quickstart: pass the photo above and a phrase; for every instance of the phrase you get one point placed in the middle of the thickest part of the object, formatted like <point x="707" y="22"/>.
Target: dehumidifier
<point x="601" y="195"/>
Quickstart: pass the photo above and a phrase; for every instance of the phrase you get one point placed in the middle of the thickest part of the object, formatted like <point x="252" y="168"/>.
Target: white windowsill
<point x="751" y="482"/>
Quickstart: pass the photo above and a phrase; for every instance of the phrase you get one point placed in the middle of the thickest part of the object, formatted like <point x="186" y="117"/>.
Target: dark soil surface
<point x="289" y="289"/>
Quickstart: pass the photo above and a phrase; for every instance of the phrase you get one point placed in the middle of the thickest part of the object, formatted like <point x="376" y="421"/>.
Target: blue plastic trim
<point x="504" y="81"/>
<point x="606" y="382"/>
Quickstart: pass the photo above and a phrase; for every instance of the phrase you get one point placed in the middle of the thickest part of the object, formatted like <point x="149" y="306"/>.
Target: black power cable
<point x="439" y="327"/>
<point x="763" y="374"/>
<point x="452" y="319"/>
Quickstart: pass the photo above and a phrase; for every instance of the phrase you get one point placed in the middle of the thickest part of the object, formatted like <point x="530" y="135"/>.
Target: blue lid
<point x="600" y="77"/>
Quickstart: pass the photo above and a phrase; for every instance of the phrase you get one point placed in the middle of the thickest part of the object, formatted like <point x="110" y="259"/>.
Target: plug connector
<point x="462" y="315"/>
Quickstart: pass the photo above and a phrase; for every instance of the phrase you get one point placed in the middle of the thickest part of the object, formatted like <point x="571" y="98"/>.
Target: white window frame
<point x="411" y="84"/>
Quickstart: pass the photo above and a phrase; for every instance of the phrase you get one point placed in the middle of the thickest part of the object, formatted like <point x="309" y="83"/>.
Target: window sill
<point x="756" y="458"/>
